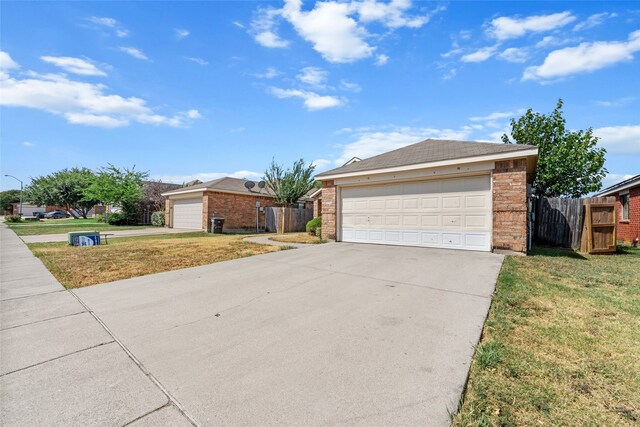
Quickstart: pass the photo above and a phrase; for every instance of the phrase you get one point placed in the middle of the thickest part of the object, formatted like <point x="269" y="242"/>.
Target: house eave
<point x="533" y="152"/>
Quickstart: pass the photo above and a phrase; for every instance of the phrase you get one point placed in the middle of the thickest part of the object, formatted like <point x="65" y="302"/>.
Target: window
<point x="624" y="202"/>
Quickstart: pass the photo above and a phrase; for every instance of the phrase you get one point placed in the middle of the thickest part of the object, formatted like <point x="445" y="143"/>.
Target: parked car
<point x="38" y="214"/>
<point x="56" y="215"/>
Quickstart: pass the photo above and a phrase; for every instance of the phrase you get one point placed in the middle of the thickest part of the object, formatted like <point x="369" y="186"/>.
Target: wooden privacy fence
<point x="565" y="222"/>
<point x="284" y="220"/>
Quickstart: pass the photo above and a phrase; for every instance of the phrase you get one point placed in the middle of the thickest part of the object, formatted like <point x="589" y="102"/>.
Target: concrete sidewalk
<point x="45" y="238"/>
<point x="58" y="364"/>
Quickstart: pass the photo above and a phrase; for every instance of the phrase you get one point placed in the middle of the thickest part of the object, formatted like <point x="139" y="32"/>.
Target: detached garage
<point x="192" y="207"/>
<point x="437" y="193"/>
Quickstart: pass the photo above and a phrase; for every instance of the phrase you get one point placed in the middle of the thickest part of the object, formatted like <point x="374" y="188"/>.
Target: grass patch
<point x="297" y="238"/>
<point x="61" y="226"/>
<point x="560" y="345"/>
<point x="127" y="257"/>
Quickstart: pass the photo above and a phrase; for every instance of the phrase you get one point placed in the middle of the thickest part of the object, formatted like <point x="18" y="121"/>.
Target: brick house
<point x="192" y="207"/>
<point x="436" y="193"/>
<point x="627" y="194"/>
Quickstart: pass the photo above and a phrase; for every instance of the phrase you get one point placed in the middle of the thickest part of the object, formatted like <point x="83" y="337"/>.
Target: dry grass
<point x="297" y="238"/>
<point x="129" y="257"/>
<point x="560" y="345"/>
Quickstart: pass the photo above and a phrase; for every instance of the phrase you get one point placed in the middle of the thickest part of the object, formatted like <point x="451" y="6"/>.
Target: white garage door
<point x="445" y="213"/>
<point x="187" y="214"/>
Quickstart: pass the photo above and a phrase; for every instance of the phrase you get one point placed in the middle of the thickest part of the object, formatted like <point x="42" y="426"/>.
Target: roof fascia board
<point x="217" y="190"/>
<point x="493" y="157"/>
<point x="618" y="189"/>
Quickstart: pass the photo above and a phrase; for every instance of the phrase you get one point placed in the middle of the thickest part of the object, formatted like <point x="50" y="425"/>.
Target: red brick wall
<point x="238" y="211"/>
<point x="628" y="230"/>
<point x="328" y="210"/>
<point x="317" y="207"/>
<point x="510" y="205"/>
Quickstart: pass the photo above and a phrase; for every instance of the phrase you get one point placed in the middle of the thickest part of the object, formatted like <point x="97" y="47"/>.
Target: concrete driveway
<point x="331" y="334"/>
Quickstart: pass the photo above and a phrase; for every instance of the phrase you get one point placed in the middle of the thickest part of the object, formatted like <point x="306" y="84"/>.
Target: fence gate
<point x="284" y="220"/>
<point x="599" y="231"/>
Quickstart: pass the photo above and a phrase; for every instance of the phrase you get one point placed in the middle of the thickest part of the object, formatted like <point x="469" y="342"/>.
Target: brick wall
<point x="628" y="230"/>
<point x="328" y="210"/>
<point x="510" y="205"/>
<point x="317" y="207"/>
<point x="168" y="218"/>
<point x="238" y="211"/>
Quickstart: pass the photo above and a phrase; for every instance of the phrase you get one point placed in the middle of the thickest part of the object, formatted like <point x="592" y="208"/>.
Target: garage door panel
<point x="453" y="213"/>
<point x="187" y="214"/>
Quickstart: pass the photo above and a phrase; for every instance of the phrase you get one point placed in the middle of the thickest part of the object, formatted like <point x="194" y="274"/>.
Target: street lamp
<point x="11" y="176"/>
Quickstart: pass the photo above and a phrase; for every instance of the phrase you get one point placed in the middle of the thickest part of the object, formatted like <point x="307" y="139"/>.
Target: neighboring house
<point x="192" y="207"/>
<point x="627" y="194"/>
<point x="436" y="193"/>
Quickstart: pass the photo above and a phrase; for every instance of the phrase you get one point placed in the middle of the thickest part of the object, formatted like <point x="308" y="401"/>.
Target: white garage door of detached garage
<point x="187" y="214"/>
<point x="444" y="213"/>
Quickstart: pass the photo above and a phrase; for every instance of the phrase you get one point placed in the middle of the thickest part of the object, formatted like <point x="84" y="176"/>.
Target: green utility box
<point x="83" y="238"/>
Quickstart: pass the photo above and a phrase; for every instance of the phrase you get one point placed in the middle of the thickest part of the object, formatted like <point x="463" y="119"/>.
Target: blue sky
<point x="206" y="89"/>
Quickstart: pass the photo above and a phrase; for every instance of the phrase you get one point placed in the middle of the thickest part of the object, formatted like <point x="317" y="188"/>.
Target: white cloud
<point x="496" y="116"/>
<point x="619" y="139"/>
<point x="449" y="74"/>
<point x="209" y="176"/>
<point x="197" y="60"/>
<point x="321" y="164"/>
<point x="83" y="103"/>
<point x="585" y="57"/>
<point x="263" y="28"/>
<point x="135" y="52"/>
<point x="270" y="73"/>
<point x="614" y="178"/>
<point x="270" y="39"/>
<point x="504" y="27"/>
<point x="313" y="76"/>
<point x="6" y="62"/>
<point x="238" y="24"/>
<point x="28" y="144"/>
<point x="105" y="21"/>
<point x="479" y="55"/>
<point x="616" y="102"/>
<point x="514" y="54"/>
<point x="593" y="21"/>
<point x="549" y="41"/>
<point x="109" y="23"/>
<point x="312" y="100"/>
<point x="337" y="30"/>
<point x="181" y="33"/>
<point x="74" y="65"/>
<point x="352" y="87"/>
<point x="381" y="60"/>
<point x="371" y="143"/>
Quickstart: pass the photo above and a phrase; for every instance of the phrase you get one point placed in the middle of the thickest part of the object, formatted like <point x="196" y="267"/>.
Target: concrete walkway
<point x="45" y="238"/>
<point x="265" y="240"/>
<point x="59" y="365"/>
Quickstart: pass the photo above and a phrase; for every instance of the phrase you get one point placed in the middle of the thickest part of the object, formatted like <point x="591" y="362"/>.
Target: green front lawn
<point x="561" y="345"/>
<point x="60" y="226"/>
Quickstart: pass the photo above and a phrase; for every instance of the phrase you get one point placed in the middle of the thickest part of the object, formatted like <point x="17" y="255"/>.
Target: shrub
<point x="99" y="218"/>
<point x="157" y="218"/>
<point x="13" y="218"/>
<point x="314" y="225"/>
<point x="122" y="218"/>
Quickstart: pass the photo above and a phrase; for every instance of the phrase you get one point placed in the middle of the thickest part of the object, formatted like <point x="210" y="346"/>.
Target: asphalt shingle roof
<point x="235" y="185"/>
<point x="428" y="151"/>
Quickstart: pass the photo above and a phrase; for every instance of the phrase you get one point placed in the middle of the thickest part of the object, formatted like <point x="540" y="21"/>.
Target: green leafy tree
<point x="570" y="164"/>
<point x="63" y="188"/>
<point x="290" y="184"/>
<point x="118" y="187"/>
<point x="7" y="198"/>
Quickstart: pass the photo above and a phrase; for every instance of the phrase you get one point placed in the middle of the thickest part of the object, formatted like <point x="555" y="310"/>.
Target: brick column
<point x="510" y="205"/>
<point x="329" y="210"/>
<point x="168" y="205"/>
